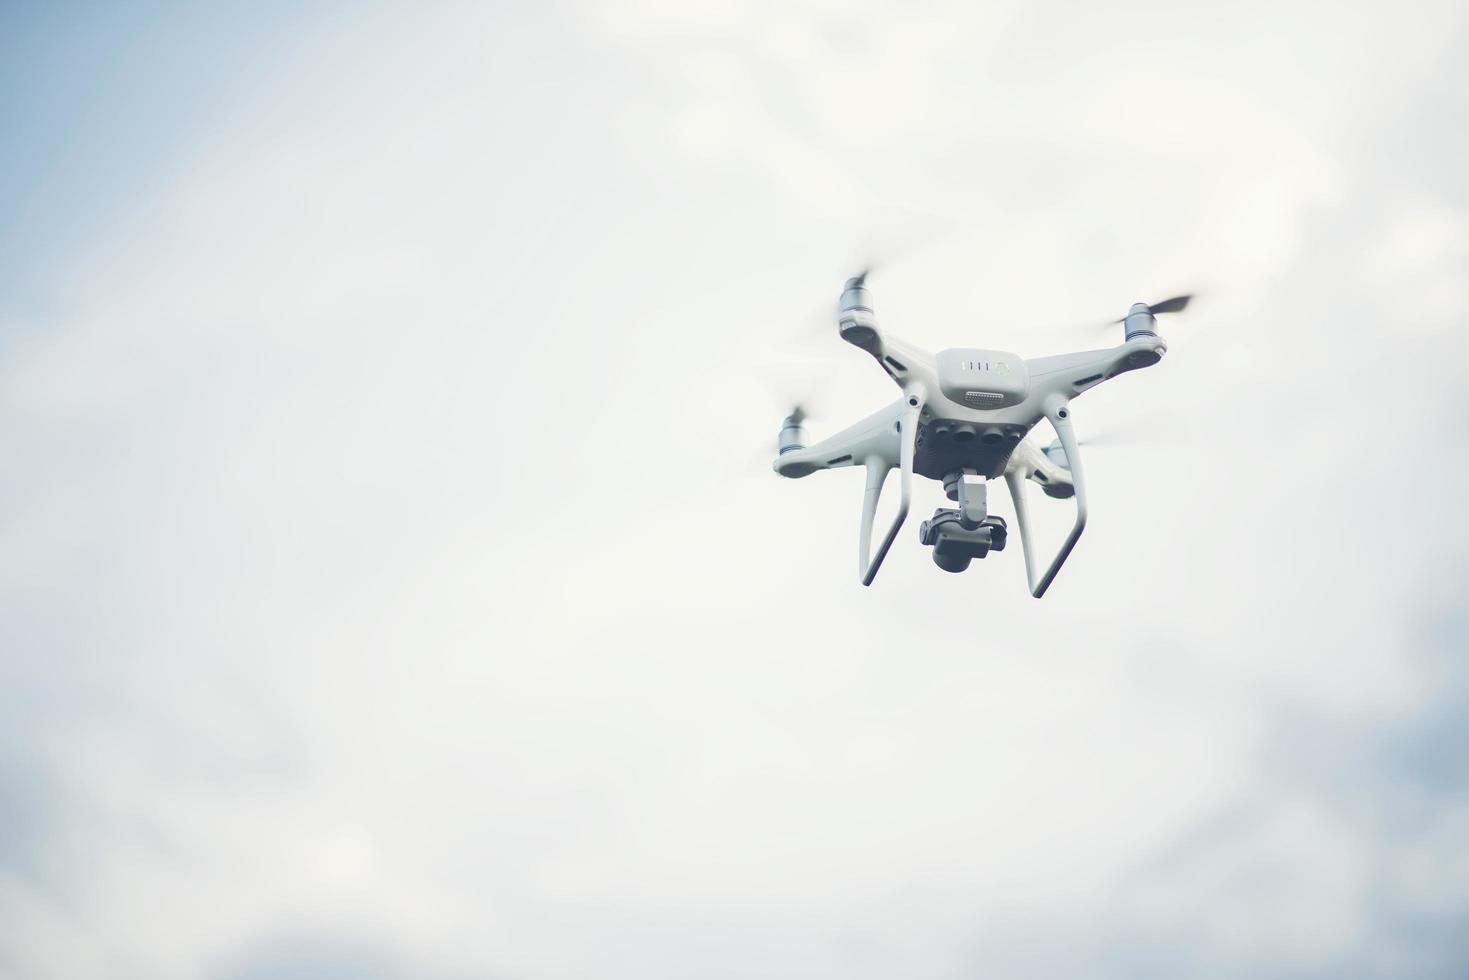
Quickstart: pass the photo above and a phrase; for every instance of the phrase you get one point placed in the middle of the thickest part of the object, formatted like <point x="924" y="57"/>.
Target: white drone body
<point x="963" y="419"/>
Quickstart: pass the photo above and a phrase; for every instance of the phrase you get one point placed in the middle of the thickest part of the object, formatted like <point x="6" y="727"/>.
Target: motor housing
<point x="856" y="322"/>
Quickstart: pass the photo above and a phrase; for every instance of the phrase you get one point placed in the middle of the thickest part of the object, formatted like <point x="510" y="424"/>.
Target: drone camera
<point x="955" y="545"/>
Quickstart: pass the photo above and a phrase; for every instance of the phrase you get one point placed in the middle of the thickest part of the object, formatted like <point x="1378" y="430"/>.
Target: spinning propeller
<point x="1174" y="304"/>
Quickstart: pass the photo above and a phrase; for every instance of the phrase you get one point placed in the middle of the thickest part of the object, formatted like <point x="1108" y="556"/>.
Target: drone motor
<point x="857" y="323"/>
<point x="793" y="434"/>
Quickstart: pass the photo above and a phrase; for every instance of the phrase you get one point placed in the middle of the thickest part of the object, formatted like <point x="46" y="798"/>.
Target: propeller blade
<point x="1175" y="305"/>
<point x="795" y="385"/>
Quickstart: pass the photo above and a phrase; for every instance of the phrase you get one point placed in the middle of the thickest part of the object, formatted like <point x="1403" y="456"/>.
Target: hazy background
<point x="393" y="584"/>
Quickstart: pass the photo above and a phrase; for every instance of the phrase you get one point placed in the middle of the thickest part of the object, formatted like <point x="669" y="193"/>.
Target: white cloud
<point x="382" y="559"/>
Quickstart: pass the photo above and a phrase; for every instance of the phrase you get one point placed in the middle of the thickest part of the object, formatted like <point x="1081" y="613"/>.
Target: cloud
<point x="387" y="589"/>
<point x="310" y="957"/>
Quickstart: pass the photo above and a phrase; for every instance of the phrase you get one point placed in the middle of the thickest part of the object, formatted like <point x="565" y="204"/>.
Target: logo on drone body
<point x="993" y="367"/>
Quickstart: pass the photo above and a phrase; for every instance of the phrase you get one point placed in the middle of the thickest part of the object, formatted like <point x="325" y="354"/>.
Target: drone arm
<point x="875" y="435"/>
<point x="877" y="471"/>
<point x="1059" y="413"/>
<point x="1069" y="375"/>
<point x="900" y="360"/>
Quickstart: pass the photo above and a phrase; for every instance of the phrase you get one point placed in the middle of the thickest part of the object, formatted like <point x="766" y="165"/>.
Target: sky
<point x="393" y="582"/>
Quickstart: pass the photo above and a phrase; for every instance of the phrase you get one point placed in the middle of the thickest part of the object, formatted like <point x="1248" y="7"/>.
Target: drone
<point x="962" y="420"/>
